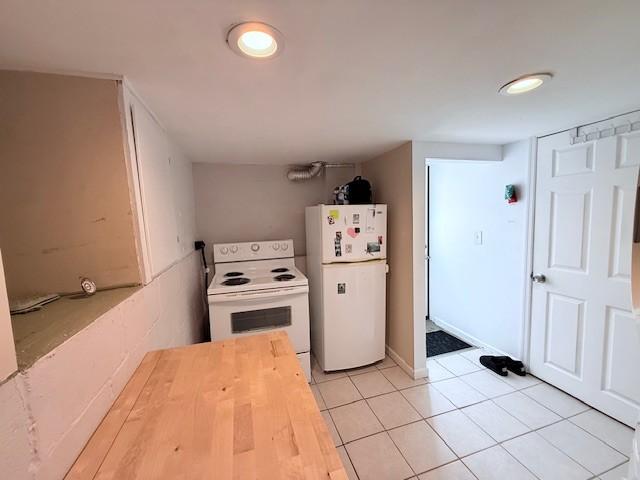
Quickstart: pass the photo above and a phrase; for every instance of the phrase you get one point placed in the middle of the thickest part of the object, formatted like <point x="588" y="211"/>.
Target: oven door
<point x="248" y="313"/>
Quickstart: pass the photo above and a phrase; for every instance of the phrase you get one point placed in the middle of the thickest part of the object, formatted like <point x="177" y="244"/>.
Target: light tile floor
<point x="465" y="423"/>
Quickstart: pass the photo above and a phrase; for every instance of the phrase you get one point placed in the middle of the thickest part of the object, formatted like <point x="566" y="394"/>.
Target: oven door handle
<point x="255" y="295"/>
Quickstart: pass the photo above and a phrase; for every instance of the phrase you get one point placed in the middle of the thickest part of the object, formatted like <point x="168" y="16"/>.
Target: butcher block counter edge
<point x="232" y="409"/>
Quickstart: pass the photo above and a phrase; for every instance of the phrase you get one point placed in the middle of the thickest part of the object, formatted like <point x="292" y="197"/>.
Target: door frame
<point x="529" y="239"/>
<point x="427" y="238"/>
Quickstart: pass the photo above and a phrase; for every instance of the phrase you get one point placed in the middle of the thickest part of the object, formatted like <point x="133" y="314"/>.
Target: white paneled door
<point x="583" y="334"/>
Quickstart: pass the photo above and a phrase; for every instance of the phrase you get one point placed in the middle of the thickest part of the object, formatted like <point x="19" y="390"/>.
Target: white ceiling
<point x="356" y="78"/>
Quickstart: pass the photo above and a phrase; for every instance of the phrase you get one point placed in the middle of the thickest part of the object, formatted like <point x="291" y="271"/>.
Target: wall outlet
<point x="477" y="237"/>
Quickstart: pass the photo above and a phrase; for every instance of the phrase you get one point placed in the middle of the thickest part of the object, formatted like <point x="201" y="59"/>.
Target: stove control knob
<point x="255" y="247"/>
<point x="276" y="246"/>
<point x="234" y="249"/>
<point x="285" y="246"/>
<point x="224" y="250"/>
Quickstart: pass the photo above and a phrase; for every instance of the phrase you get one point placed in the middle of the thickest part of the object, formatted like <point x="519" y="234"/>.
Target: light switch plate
<point x="477" y="237"/>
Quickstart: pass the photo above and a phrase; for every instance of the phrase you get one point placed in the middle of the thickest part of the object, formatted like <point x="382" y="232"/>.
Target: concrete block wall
<point x="48" y="412"/>
<point x="15" y="440"/>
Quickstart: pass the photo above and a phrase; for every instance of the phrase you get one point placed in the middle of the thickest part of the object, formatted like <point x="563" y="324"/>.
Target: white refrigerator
<point x="347" y="268"/>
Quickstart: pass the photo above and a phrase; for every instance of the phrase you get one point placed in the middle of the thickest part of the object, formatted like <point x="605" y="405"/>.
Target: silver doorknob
<point x="539" y="278"/>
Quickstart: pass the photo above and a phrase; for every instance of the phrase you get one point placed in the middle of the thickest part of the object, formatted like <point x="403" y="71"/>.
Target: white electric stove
<point x="257" y="287"/>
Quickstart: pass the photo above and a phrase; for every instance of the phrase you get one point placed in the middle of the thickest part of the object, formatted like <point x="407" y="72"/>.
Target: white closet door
<point x="583" y="333"/>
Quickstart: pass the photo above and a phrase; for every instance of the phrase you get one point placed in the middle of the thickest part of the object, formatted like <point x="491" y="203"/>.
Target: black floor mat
<point x="441" y="342"/>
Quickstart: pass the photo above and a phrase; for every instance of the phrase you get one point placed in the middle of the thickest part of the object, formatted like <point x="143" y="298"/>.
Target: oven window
<point x="260" y="319"/>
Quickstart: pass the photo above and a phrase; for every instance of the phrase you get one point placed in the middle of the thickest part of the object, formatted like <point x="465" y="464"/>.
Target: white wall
<point x="477" y="291"/>
<point x="48" y="413"/>
<point x="64" y="194"/>
<point x="162" y="186"/>
<point x="420" y="283"/>
<point x="8" y="363"/>
<point x="244" y="203"/>
<point x="458" y="151"/>
<point x="391" y="177"/>
<point x="398" y="177"/>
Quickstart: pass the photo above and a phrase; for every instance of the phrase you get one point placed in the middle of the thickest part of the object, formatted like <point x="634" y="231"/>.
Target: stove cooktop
<point x="236" y="277"/>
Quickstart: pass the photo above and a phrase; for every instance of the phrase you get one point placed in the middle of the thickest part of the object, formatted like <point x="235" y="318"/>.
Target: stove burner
<point x="236" y="281"/>
<point x="233" y="274"/>
<point x="280" y="270"/>
<point x="284" y="277"/>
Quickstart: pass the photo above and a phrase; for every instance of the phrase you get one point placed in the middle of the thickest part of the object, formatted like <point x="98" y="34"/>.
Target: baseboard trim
<point x="412" y="372"/>
<point x="476" y="342"/>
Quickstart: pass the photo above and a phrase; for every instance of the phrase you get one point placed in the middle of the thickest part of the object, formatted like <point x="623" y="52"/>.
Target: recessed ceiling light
<point x="525" y="83"/>
<point x="255" y="40"/>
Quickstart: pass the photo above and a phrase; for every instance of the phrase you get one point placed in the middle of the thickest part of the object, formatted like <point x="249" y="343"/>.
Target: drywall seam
<point x="23" y="388"/>
<point x="127" y="357"/>
<point x="66" y="72"/>
<point x="10" y="377"/>
<point x="132" y="178"/>
<point x="54" y="445"/>
<point x="129" y="86"/>
<point x="49" y="459"/>
<point x="171" y="265"/>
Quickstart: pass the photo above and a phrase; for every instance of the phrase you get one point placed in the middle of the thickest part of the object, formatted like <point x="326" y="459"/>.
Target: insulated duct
<point x="301" y="173"/>
<point x="307" y="173"/>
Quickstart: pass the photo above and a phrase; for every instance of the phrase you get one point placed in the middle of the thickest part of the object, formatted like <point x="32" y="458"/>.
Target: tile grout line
<point x="422" y="419"/>
<point x="562" y="418"/>
<point x="532" y="430"/>
<point x="536" y="430"/>
<point x="391" y="438"/>
<point x="612" y="469"/>
<point x="500" y="444"/>
<point x="342" y="443"/>
<point x="598" y="438"/>
<point x="425" y="419"/>
<point x="591" y="435"/>
<point x="344" y="372"/>
<point x="351" y="461"/>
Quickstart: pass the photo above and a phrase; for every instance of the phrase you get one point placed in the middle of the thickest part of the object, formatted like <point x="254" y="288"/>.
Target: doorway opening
<point x="439" y="341"/>
<point x="475" y="252"/>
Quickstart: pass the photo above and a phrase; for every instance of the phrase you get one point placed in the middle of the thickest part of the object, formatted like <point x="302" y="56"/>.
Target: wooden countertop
<point x="234" y="409"/>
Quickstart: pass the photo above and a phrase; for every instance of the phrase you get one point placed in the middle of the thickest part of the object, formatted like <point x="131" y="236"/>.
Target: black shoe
<point x="515" y="366"/>
<point x="495" y="364"/>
